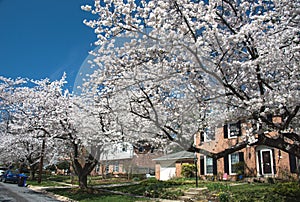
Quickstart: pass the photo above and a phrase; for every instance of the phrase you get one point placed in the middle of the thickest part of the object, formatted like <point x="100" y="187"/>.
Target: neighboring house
<point x="124" y="158"/>
<point x="169" y="166"/>
<point x="114" y="159"/>
<point x="252" y="161"/>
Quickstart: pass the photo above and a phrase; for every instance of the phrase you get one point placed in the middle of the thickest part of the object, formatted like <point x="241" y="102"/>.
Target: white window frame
<point x="231" y="163"/>
<point x="228" y="131"/>
<point x="205" y="165"/>
<point x="212" y="130"/>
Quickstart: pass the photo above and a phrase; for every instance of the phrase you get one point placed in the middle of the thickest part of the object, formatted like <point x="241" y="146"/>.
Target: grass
<point x="157" y="189"/>
<point x="94" y="181"/>
<point x="172" y="189"/>
<point x="146" y="189"/>
<point x="285" y="192"/>
<point x="92" y="195"/>
<point x="51" y="181"/>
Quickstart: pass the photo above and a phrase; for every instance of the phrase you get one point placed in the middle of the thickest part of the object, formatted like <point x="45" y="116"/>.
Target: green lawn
<point x="264" y="192"/>
<point x="51" y="180"/>
<point x="152" y="188"/>
<point x="93" y="195"/>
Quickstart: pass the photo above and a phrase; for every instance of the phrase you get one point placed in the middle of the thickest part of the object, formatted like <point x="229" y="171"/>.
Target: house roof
<point x="176" y="156"/>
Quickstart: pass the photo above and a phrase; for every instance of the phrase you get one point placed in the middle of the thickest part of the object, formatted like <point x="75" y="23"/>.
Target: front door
<point x="266" y="162"/>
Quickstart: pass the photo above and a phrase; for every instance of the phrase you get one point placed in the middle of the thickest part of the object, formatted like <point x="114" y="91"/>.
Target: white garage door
<point x="167" y="173"/>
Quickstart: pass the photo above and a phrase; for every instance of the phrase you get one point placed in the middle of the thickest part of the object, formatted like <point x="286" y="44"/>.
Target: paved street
<point x="13" y="193"/>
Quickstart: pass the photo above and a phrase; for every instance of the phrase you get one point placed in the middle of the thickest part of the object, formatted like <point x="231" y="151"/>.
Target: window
<point x="107" y="169"/>
<point x="233" y="160"/>
<point x="209" y="165"/>
<point x="97" y="168"/>
<point x="207" y="135"/>
<point x="124" y="149"/>
<point x="116" y="167"/>
<point x="141" y="149"/>
<point x="232" y="130"/>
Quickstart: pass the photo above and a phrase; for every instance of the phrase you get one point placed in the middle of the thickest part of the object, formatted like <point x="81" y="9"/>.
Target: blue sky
<point x="43" y="38"/>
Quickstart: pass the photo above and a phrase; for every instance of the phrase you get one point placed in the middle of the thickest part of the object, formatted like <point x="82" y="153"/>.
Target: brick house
<point x="251" y="161"/>
<point x="123" y="158"/>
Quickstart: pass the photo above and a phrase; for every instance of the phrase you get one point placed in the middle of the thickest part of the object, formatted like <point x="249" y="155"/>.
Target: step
<point x="191" y="193"/>
<point x="193" y="198"/>
<point x="185" y="197"/>
<point x="198" y="189"/>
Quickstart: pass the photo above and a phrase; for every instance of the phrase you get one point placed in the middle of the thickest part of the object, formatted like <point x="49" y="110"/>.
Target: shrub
<point x="188" y="170"/>
<point x="239" y="167"/>
<point x="224" y="196"/>
<point x="289" y="189"/>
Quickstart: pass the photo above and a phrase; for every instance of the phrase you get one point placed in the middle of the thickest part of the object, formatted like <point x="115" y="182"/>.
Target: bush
<point x="188" y="170"/>
<point x="239" y="167"/>
<point x="289" y="189"/>
<point x="224" y="196"/>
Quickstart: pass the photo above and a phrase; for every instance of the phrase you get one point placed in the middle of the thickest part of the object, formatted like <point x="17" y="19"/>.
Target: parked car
<point x="2" y="171"/>
<point x="10" y="176"/>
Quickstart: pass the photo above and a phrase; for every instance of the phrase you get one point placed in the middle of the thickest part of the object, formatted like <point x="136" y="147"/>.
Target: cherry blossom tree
<point x="28" y="121"/>
<point x="46" y="121"/>
<point x="180" y="66"/>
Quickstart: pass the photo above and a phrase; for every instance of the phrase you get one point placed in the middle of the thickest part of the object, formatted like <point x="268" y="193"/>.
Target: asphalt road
<point x="13" y="193"/>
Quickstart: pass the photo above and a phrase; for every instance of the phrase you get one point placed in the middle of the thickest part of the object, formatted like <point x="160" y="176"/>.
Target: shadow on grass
<point x="91" y="194"/>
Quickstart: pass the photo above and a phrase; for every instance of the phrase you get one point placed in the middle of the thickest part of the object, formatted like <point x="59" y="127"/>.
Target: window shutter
<point x="201" y="137"/>
<point x="241" y="156"/>
<point x="241" y="159"/>
<point x="215" y="168"/>
<point x="225" y="131"/>
<point x="270" y="118"/>
<point x="274" y="161"/>
<point x="259" y="163"/>
<point x="202" y="166"/>
<point x="226" y="164"/>
<point x="293" y="167"/>
<point x="239" y="126"/>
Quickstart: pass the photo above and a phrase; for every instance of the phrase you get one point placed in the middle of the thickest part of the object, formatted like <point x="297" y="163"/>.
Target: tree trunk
<point x="32" y="174"/>
<point x="41" y="161"/>
<point x="32" y="171"/>
<point x="82" y="177"/>
<point x="83" y="168"/>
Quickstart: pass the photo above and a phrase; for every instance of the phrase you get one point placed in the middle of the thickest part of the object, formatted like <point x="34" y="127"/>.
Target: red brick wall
<point x="220" y="143"/>
<point x="157" y="171"/>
